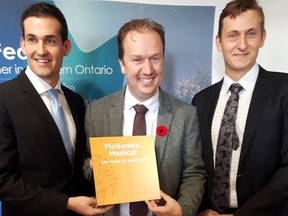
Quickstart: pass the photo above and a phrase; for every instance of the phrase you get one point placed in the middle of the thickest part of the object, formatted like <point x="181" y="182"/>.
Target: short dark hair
<point x="140" y="25"/>
<point x="46" y="10"/>
<point x="235" y="8"/>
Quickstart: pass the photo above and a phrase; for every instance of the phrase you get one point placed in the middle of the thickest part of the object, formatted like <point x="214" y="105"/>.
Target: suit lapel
<point x="165" y="117"/>
<point x="259" y="98"/>
<point x="207" y="113"/>
<point x="32" y="97"/>
<point x="115" y="114"/>
<point x="72" y="106"/>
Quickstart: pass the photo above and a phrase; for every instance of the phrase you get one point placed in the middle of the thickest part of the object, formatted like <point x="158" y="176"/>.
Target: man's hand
<point x="86" y="206"/>
<point x="210" y="212"/>
<point x="171" y="208"/>
<point x="91" y="164"/>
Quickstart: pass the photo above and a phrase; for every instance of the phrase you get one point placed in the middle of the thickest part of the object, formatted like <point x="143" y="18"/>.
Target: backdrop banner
<point x="92" y="68"/>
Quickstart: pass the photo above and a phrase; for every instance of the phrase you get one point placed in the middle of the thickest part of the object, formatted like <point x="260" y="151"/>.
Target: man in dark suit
<point x="36" y="176"/>
<point x="259" y="173"/>
<point x="180" y="167"/>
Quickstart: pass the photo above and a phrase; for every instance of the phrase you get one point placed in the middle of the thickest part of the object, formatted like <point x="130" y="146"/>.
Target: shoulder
<point x="276" y="80"/>
<point x="206" y="93"/>
<point x="276" y="76"/>
<point x="71" y="95"/>
<point x="13" y="86"/>
<point x="174" y="104"/>
<point x="7" y="85"/>
<point x="14" y="81"/>
<point x="108" y="100"/>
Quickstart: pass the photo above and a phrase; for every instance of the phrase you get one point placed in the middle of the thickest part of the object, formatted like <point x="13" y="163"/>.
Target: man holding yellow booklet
<point x="172" y="123"/>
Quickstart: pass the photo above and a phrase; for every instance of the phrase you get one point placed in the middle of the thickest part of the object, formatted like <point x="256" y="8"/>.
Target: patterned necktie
<point x="139" y="128"/>
<point x="58" y="116"/>
<point x="227" y="140"/>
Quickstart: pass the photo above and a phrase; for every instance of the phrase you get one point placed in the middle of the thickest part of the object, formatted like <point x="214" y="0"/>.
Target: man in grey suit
<point x="141" y="45"/>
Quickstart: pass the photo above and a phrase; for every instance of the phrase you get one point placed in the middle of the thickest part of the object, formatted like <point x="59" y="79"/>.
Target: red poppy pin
<point x="161" y="130"/>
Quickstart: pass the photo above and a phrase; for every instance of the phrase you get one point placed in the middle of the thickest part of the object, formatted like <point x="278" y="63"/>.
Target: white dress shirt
<point x="42" y="87"/>
<point x="248" y="83"/>
<point x="151" y="123"/>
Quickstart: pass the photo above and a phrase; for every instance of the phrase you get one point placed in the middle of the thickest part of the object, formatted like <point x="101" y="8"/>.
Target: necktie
<point x="139" y="128"/>
<point x="227" y="140"/>
<point x="58" y="116"/>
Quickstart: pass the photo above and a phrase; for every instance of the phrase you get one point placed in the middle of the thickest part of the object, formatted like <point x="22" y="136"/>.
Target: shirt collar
<point x="247" y="81"/>
<point x="39" y="84"/>
<point x="152" y="103"/>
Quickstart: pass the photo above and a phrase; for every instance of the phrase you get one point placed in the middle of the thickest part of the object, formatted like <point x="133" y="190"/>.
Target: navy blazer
<point x="262" y="180"/>
<point x="36" y="177"/>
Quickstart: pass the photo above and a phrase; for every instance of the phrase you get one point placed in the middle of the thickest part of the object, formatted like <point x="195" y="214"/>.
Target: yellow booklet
<point x="125" y="169"/>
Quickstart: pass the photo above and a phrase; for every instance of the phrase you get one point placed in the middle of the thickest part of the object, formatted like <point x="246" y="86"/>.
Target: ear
<point x="67" y="47"/>
<point x="218" y="43"/>
<point x="263" y="39"/>
<point x="22" y="44"/>
<point x="122" y="66"/>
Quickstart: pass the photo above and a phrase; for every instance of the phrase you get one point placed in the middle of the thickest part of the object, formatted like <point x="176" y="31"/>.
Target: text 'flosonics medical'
<point x="123" y="149"/>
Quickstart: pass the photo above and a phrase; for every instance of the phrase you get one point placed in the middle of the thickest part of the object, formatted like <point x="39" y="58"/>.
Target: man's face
<point x="142" y="63"/>
<point x="240" y="42"/>
<point x="44" y="48"/>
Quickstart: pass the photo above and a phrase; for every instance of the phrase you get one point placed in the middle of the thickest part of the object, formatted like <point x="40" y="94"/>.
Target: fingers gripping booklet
<point x="125" y="169"/>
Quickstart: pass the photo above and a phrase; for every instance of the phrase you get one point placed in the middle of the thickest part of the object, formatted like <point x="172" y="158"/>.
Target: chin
<point x="148" y="94"/>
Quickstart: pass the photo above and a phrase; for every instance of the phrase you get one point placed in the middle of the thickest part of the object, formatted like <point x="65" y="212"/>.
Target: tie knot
<point x="140" y="108"/>
<point x="53" y="94"/>
<point x="235" y="88"/>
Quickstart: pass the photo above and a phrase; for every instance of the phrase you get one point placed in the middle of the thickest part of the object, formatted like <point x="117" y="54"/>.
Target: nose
<point x="242" y="43"/>
<point x="41" y="49"/>
<point x="148" y="67"/>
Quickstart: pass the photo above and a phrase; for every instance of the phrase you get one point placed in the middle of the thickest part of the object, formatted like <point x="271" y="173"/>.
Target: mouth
<point x="241" y="54"/>
<point x="146" y="81"/>
<point x="42" y="60"/>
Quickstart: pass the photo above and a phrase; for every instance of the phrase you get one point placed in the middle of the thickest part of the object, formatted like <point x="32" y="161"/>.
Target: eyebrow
<point x="46" y="36"/>
<point x="247" y="30"/>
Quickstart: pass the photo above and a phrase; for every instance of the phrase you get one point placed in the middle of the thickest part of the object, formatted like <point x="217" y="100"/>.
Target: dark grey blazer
<point x="180" y="166"/>
<point x="36" y="177"/>
<point x="262" y="183"/>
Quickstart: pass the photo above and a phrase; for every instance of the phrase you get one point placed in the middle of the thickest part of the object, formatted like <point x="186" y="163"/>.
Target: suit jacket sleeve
<point x="103" y="117"/>
<point x="192" y="187"/>
<point x="88" y="173"/>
